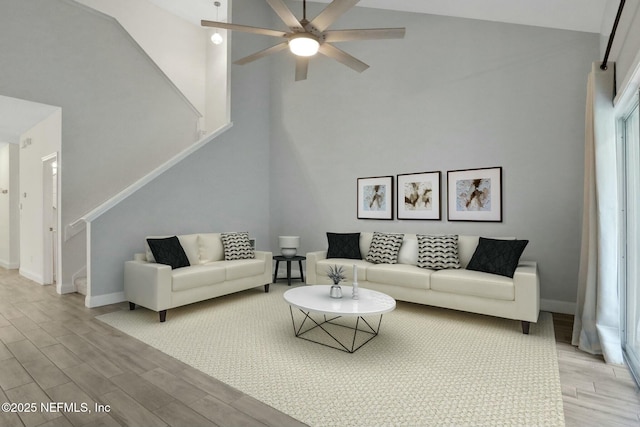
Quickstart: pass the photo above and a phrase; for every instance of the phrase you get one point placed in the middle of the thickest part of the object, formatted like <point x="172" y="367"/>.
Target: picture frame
<point x="419" y="196"/>
<point x="375" y="198"/>
<point x="475" y="194"/>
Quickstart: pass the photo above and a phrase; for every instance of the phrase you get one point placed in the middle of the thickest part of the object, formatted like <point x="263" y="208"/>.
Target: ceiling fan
<point x="306" y="38"/>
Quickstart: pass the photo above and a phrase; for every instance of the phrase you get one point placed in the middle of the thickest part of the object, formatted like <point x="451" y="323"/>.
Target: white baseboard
<point x="9" y="266"/>
<point x="32" y="276"/>
<point x="555" y="306"/>
<point x="100" y="300"/>
<point x="66" y="288"/>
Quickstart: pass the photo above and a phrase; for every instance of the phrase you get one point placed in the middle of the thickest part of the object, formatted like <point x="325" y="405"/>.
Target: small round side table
<point x="279" y="258"/>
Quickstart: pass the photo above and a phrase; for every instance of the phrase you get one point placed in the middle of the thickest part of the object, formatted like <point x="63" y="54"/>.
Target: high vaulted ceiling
<point x="594" y="16"/>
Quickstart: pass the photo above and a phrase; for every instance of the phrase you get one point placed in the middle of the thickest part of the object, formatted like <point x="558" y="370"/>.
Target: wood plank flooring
<point x="594" y="393"/>
<point x="53" y="350"/>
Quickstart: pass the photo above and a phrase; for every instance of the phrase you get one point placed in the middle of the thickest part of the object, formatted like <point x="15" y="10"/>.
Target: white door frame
<point x="51" y="240"/>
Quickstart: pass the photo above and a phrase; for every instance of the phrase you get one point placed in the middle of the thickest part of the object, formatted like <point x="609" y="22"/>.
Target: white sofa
<point x="459" y="289"/>
<point x="159" y="288"/>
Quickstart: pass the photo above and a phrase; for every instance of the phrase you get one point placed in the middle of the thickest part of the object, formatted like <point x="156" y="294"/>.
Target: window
<point x="630" y="266"/>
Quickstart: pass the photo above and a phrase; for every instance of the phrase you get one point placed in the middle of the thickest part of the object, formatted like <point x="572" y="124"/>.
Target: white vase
<point x="288" y="252"/>
<point x="335" y="291"/>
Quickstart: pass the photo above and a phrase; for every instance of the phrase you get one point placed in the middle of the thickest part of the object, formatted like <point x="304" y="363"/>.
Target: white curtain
<point x="596" y="327"/>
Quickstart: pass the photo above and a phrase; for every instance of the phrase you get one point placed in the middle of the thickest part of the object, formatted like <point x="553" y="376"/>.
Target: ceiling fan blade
<point x="364" y="34"/>
<point x="243" y="28"/>
<point x="302" y="66"/>
<point x="285" y="14"/>
<point x="342" y="57"/>
<point x="262" y="53"/>
<point x="331" y="13"/>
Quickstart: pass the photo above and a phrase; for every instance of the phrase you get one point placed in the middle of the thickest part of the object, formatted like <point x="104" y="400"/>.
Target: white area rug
<point x="428" y="366"/>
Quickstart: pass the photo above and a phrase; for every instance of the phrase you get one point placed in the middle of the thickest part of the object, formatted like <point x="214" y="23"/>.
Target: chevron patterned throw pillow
<point x="237" y="246"/>
<point x="438" y="252"/>
<point x="384" y="248"/>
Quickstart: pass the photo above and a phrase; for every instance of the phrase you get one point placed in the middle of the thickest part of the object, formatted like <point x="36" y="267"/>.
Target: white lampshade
<point x="289" y="241"/>
<point x="216" y="38"/>
<point x="303" y="45"/>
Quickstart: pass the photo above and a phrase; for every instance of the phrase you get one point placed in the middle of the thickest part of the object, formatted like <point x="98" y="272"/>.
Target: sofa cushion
<point x="210" y="246"/>
<point x="322" y="267"/>
<point x="497" y="256"/>
<point x="408" y="276"/>
<point x="168" y="251"/>
<point x="237" y="246"/>
<point x="197" y="276"/>
<point x="473" y="283"/>
<point x="344" y="245"/>
<point x="189" y="243"/>
<point x="241" y="268"/>
<point x="438" y="252"/>
<point x="365" y="243"/>
<point x="408" y="253"/>
<point x="384" y="248"/>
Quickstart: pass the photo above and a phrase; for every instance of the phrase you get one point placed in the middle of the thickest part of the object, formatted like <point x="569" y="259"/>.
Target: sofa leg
<point x="266" y="288"/>
<point x="132" y="305"/>
<point x="525" y="327"/>
<point x="163" y="315"/>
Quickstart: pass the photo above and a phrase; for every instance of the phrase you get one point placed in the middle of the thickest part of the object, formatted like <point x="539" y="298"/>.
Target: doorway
<point x="50" y="215"/>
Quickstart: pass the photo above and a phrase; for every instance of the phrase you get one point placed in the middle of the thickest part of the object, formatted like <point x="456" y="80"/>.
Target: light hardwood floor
<point x="593" y="392"/>
<point x="53" y="350"/>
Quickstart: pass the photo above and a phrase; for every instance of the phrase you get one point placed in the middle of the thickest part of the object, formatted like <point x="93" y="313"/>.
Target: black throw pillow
<point x="344" y="245"/>
<point x="169" y="251"/>
<point x="497" y="256"/>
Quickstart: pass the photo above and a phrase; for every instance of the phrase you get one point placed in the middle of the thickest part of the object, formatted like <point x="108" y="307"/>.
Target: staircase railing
<point x="79" y="224"/>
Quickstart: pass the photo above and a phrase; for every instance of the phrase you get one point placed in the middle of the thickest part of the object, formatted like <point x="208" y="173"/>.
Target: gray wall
<point x="628" y="40"/>
<point x="224" y="186"/>
<point x="121" y="116"/>
<point x="454" y="94"/>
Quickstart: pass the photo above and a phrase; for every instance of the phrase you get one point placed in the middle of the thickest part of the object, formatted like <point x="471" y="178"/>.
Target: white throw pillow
<point x="211" y="248"/>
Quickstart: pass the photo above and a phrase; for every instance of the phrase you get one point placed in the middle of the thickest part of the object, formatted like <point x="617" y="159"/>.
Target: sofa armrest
<point x="312" y="260"/>
<point x="268" y="261"/>
<point x="148" y="284"/>
<point x="527" y="290"/>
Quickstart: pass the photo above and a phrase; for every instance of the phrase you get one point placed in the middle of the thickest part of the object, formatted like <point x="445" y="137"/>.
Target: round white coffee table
<point x="315" y="299"/>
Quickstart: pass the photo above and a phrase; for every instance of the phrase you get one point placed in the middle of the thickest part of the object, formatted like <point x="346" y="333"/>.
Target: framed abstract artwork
<point x="419" y="195"/>
<point x="475" y="195"/>
<point x="375" y="197"/>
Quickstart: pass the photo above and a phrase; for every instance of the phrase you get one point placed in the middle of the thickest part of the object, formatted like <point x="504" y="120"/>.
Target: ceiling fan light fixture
<point x="216" y="38"/>
<point x="303" y="45"/>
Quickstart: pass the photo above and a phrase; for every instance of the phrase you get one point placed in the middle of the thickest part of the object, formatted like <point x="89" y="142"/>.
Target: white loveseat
<point x="159" y="288"/>
<point x="515" y="298"/>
